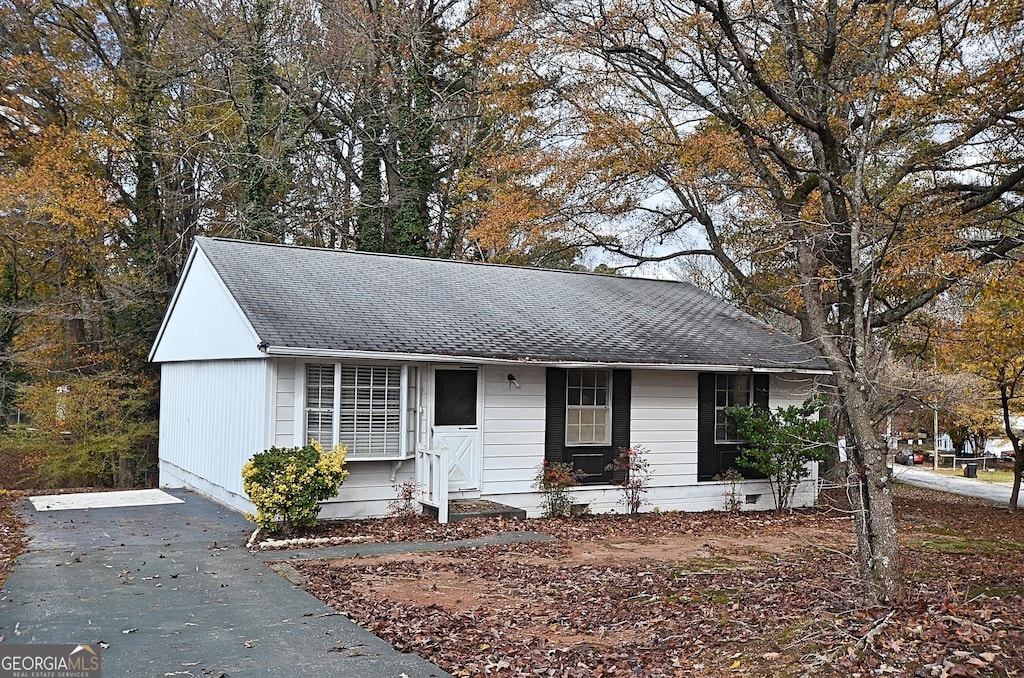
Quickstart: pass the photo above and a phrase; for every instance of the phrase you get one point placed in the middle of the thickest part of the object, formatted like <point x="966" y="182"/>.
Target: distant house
<point x="486" y="369"/>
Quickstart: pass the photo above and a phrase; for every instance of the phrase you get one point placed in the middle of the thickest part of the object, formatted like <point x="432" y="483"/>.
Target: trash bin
<point x="971" y="469"/>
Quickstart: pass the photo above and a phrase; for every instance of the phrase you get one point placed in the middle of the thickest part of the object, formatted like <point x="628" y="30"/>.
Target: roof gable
<point x="337" y="301"/>
<point x="204" y="321"/>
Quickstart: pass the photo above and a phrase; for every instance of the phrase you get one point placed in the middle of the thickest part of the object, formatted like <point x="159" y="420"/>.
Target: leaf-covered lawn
<point x="1001" y="475"/>
<point x="12" y="533"/>
<point x="678" y="594"/>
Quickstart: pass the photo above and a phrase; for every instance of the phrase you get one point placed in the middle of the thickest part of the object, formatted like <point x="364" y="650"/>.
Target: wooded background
<point x="850" y="171"/>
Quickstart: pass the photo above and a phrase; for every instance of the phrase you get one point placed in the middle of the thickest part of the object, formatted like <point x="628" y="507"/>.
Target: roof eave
<point x="297" y="352"/>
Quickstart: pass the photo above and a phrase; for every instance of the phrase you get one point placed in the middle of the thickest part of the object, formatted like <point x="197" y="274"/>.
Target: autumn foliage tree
<point x="987" y="343"/>
<point x="127" y="127"/>
<point x="844" y="162"/>
<point x="56" y="214"/>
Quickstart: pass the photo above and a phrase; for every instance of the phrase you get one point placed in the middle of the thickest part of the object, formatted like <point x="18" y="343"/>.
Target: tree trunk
<point x="10" y="321"/>
<point x="1018" y="472"/>
<point x="416" y="170"/>
<point x="257" y="167"/>
<point x="370" y="216"/>
<point x="874" y="519"/>
<point x="1018" y="462"/>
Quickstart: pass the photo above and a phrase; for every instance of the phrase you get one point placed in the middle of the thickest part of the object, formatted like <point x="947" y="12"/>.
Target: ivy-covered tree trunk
<point x="396" y="128"/>
<point x="370" y="225"/>
<point x="139" y="32"/>
<point x="259" y="168"/>
<point x="416" y="171"/>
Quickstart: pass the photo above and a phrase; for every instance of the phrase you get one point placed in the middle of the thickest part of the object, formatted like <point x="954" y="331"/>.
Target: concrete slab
<point x="87" y="500"/>
<point x="195" y="520"/>
<point x="171" y="590"/>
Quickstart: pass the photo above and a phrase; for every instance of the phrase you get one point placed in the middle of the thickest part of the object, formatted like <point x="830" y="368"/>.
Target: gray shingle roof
<point x="333" y="300"/>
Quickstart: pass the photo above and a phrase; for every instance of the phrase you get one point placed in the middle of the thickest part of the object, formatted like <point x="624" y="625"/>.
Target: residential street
<point x="922" y="477"/>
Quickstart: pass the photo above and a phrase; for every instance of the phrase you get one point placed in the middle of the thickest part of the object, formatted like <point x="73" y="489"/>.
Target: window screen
<point x="455" y="397"/>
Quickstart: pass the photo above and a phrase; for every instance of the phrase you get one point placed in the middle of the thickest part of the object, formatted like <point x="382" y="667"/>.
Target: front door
<point x="456" y="427"/>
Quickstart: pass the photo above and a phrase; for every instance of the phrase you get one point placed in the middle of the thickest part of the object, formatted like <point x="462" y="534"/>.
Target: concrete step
<point x="461" y="509"/>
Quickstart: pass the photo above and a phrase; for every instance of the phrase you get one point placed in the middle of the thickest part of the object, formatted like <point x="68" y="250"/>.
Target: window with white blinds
<point x="361" y="406"/>
<point x="320" y="404"/>
<point x="371" y="410"/>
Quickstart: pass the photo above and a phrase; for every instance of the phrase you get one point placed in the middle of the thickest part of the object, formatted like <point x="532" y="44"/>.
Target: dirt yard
<point x="700" y="595"/>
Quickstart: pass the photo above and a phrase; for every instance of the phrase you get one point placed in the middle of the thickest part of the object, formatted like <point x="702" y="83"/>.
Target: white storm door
<point x="456" y="425"/>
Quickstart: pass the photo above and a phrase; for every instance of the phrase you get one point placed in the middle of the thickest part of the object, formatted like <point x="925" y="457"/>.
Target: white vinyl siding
<point x="203" y="302"/>
<point x="786" y="390"/>
<point x="212" y="420"/>
<point x="361" y="406"/>
<point x="513" y="431"/>
<point x="588" y="413"/>
<point x="285" y="425"/>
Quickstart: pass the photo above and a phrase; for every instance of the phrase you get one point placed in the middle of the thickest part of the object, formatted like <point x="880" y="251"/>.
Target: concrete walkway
<point x="170" y="590"/>
<point x="970" y="487"/>
<point x="393" y="548"/>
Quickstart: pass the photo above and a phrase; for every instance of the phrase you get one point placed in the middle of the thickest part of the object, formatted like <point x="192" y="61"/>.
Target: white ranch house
<point x="481" y="370"/>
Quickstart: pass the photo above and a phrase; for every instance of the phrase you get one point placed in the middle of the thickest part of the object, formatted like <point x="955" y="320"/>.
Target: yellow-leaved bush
<point x="287" y="484"/>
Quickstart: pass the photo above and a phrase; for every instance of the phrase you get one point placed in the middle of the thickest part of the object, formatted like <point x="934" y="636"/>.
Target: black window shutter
<point x="707" y="461"/>
<point x="622" y="393"/>
<point x="713" y="459"/>
<point x="760" y="401"/>
<point x="761" y="391"/>
<point x="591" y="460"/>
<point x="554" y="426"/>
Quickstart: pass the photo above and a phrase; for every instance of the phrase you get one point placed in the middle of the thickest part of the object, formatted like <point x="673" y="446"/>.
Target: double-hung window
<point x="588" y="415"/>
<point x="718" y="442"/>
<point x="361" y="407"/>
<point x="320" y="404"/>
<point x="731" y="390"/>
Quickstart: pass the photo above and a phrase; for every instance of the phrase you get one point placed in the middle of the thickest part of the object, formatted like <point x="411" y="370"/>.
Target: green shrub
<point x="781" y="443"/>
<point x="286" y="485"/>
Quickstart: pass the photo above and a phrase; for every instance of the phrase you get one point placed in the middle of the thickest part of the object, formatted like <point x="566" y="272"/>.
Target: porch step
<point x="461" y="509"/>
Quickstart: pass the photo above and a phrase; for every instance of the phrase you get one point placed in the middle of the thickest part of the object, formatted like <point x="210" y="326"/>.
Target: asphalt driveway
<point x="170" y="590"/>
